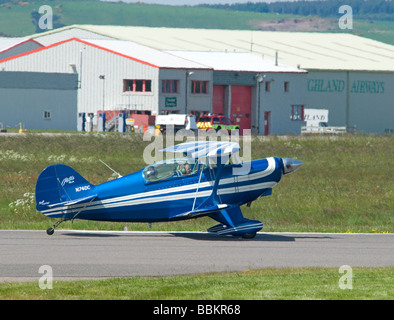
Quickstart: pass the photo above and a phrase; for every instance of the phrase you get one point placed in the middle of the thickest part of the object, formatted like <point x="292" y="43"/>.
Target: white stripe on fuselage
<point x="151" y="196"/>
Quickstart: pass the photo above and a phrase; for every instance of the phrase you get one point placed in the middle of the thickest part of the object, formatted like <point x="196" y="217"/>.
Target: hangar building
<point x="113" y="74"/>
<point x="351" y="76"/>
<point x="242" y="81"/>
<point x="123" y="75"/>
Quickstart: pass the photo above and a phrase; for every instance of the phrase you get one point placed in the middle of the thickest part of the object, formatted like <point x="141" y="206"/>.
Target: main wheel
<point x="249" y="235"/>
<point x="50" y="231"/>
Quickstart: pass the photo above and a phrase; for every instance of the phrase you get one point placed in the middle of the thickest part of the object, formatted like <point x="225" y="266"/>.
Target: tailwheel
<point x="50" y="231"/>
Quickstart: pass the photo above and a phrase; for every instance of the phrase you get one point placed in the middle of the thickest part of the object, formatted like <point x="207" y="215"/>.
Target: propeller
<point x="290" y="165"/>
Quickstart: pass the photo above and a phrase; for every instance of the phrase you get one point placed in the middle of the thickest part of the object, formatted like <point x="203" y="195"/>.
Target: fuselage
<point x="135" y="198"/>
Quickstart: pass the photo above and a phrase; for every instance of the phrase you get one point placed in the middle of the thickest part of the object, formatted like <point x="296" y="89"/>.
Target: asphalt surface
<point x="95" y="254"/>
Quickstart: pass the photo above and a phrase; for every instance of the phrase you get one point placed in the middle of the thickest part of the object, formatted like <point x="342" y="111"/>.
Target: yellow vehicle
<point x="216" y="122"/>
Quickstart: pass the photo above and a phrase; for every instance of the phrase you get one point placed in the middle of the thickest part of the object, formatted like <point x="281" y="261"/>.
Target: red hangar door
<point x="218" y="99"/>
<point x="241" y="97"/>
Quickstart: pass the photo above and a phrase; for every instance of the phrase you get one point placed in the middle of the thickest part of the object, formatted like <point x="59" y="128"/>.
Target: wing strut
<point x="214" y="200"/>
<point x="212" y="203"/>
<point x="198" y="185"/>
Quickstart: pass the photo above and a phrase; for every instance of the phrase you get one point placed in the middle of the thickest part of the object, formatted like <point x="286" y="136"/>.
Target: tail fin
<point x="60" y="185"/>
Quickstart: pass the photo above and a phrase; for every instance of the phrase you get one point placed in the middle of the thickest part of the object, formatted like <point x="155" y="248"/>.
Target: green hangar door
<point x="240" y="103"/>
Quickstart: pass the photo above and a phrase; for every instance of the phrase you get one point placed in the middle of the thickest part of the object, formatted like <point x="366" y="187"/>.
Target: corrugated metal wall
<point x="90" y="63"/>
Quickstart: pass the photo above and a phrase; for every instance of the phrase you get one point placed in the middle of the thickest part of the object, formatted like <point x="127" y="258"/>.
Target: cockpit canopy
<point x="165" y="169"/>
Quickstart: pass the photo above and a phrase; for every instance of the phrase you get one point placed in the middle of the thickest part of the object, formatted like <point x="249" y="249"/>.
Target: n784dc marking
<point x="201" y="183"/>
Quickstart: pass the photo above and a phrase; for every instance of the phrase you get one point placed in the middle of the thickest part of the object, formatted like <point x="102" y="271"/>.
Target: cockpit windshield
<point x="165" y="169"/>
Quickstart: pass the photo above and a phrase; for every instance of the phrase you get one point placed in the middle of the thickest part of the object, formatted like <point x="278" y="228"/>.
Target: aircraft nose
<point x="290" y="165"/>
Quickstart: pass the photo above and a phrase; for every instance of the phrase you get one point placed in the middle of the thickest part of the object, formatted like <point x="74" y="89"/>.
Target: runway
<point x="98" y="254"/>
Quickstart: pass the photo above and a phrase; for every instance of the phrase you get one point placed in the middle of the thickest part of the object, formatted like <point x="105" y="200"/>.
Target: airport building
<point x="261" y="80"/>
<point x="119" y="75"/>
<point x="115" y="75"/>
<point x="351" y="76"/>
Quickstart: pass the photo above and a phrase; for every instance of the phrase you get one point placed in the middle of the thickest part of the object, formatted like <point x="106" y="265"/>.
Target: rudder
<point x="58" y="184"/>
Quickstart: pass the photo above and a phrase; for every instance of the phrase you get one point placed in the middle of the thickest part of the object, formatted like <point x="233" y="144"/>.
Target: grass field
<point x="345" y="184"/>
<point x="267" y="284"/>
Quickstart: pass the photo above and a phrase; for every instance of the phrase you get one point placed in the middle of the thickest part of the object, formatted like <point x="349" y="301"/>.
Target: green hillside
<point x="16" y="18"/>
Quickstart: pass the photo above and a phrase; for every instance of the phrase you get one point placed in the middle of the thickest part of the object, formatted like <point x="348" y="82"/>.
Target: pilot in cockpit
<point x="186" y="169"/>
<point x="151" y="173"/>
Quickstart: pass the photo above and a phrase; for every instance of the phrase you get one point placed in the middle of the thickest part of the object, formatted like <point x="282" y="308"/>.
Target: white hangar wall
<point x="104" y="72"/>
<point x="90" y="63"/>
<point x="354" y="98"/>
<point x="108" y="94"/>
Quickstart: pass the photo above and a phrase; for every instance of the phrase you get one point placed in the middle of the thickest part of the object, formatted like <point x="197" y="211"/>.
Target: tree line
<point x="363" y="9"/>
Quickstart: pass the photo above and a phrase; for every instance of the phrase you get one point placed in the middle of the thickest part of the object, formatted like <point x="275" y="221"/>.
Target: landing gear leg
<point x="50" y="231"/>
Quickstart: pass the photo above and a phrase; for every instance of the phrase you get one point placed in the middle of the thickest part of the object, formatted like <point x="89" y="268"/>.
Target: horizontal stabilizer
<point x="72" y="202"/>
<point x="204" y="211"/>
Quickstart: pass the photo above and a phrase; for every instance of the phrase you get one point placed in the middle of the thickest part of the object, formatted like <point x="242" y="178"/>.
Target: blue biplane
<point x="208" y="180"/>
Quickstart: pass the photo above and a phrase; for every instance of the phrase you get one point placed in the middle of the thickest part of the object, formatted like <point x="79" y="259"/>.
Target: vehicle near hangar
<point x="216" y="122"/>
<point x="176" y="122"/>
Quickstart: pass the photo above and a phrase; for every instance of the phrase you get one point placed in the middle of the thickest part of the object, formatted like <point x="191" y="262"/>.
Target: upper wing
<point x="203" y="149"/>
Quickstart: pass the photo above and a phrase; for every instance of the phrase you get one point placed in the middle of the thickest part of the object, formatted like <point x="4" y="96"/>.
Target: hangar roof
<point x="235" y="61"/>
<point x="221" y="61"/>
<point x="146" y="54"/>
<point x="321" y="51"/>
<point x="130" y="50"/>
<point x="9" y="43"/>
